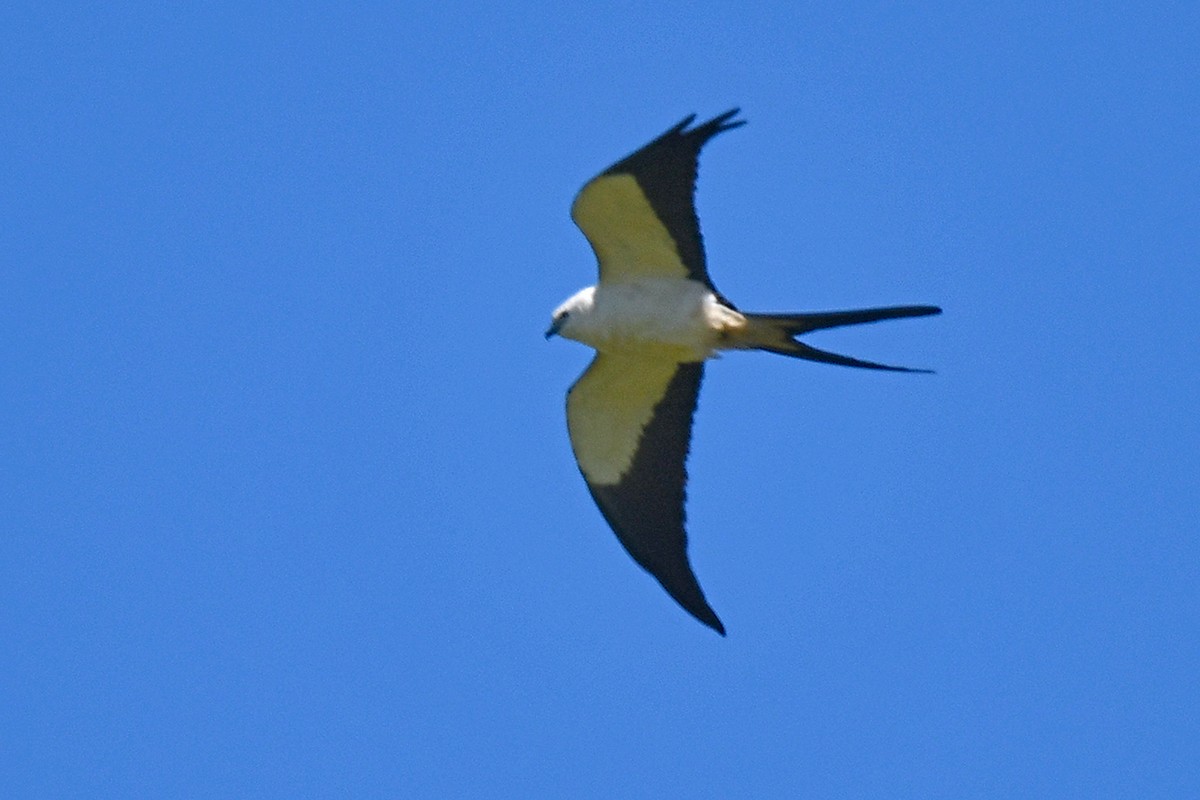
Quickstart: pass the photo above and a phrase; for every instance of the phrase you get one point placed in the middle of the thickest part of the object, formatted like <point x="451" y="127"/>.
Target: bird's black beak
<point x="553" y="329"/>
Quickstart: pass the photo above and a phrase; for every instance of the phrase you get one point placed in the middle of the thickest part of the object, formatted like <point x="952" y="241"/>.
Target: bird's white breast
<point x="681" y="318"/>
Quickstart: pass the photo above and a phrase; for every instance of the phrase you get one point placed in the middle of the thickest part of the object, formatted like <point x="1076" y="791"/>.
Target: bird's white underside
<point x="678" y="320"/>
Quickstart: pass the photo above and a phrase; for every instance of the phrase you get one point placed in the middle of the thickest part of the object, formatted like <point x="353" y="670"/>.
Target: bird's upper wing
<point x="639" y="214"/>
<point x="630" y="420"/>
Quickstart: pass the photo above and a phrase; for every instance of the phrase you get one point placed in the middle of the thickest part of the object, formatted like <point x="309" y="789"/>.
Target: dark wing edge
<point x="646" y="508"/>
<point x="666" y="170"/>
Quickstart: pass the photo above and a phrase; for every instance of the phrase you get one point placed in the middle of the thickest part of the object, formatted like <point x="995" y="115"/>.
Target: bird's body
<point x="675" y="318"/>
<point x="653" y="319"/>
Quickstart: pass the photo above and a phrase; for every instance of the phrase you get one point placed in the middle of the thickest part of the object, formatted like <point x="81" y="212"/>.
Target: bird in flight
<point x="653" y="318"/>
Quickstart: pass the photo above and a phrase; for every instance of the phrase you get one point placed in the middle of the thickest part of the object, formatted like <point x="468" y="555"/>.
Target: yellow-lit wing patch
<point x="609" y="407"/>
<point x="629" y="239"/>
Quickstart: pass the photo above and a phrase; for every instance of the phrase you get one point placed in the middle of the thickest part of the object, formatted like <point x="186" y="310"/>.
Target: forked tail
<point x="777" y="333"/>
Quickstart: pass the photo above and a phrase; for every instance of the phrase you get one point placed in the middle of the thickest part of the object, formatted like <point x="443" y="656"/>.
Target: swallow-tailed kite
<point x="653" y="319"/>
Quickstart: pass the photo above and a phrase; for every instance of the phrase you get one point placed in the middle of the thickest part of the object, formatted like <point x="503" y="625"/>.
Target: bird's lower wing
<point x="630" y="421"/>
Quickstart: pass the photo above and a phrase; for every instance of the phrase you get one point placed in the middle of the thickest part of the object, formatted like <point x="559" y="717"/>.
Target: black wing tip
<point x="726" y="121"/>
<point x="691" y="599"/>
<point x="709" y="129"/>
<point x="705" y="130"/>
<point x="681" y="140"/>
<point x="702" y="612"/>
<point x="682" y="124"/>
<point x="715" y="624"/>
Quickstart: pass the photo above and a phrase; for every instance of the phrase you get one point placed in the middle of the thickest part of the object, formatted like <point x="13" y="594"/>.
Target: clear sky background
<point x="288" y="505"/>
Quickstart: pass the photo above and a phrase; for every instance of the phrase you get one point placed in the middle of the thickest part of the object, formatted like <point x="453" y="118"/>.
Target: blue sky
<point x="289" y="502"/>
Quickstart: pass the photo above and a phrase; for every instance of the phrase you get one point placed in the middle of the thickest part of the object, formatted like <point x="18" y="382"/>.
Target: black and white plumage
<point x="654" y="318"/>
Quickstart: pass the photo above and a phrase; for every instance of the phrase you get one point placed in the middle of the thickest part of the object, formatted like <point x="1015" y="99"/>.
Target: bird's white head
<point x="567" y="317"/>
